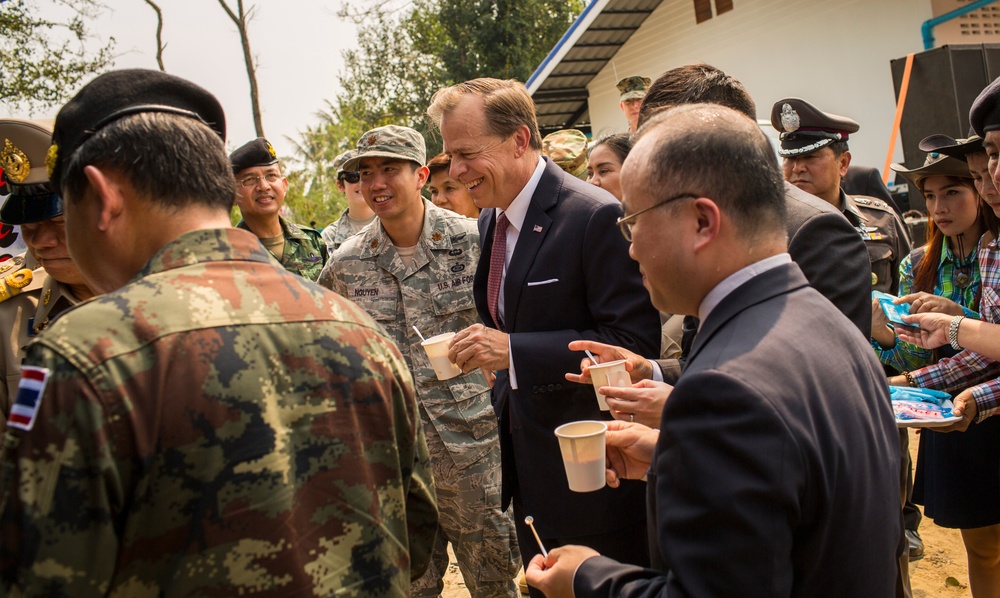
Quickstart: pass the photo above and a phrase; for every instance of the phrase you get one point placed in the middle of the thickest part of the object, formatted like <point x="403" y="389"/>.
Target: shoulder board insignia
<point x="29" y="397"/>
<point x="863" y="201"/>
<point x="10" y="264"/>
<point x="12" y="284"/>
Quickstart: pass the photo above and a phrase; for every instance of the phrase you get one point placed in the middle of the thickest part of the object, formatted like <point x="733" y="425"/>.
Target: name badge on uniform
<point x="29" y="397"/>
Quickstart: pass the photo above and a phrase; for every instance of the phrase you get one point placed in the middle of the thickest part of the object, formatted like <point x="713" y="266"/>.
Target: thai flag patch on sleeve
<point x="29" y="397"/>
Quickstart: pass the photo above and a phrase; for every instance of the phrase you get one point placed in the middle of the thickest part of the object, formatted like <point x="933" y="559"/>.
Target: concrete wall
<point x="833" y="54"/>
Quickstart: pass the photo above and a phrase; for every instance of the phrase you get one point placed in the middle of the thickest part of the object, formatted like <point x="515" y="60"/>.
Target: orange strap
<point x="903" y="87"/>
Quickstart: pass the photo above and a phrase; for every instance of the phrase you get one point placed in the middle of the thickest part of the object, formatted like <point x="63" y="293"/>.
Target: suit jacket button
<point x="552" y="387"/>
<point x="558" y="386"/>
<point x="534" y="389"/>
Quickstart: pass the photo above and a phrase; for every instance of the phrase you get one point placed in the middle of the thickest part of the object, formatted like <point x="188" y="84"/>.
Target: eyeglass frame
<point x="254" y="180"/>
<point x="343" y="176"/>
<point x="625" y="222"/>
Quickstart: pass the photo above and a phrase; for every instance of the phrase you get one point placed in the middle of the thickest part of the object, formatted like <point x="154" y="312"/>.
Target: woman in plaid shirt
<point x="956" y="477"/>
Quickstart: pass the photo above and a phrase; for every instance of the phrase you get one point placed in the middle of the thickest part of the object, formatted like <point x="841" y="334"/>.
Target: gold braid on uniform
<point x="19" y="279"/>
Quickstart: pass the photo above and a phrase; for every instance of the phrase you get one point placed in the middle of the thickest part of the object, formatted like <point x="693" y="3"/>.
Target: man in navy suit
<point x="774" y="472"/>
<point x="557" y="271"/>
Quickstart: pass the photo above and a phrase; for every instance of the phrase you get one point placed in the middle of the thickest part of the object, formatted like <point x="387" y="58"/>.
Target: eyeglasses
<point x="251" y="181"/>
<point x="625" y="222"/>
<point x="351" y="177"/>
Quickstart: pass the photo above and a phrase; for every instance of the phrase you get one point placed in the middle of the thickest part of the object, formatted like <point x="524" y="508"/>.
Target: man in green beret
<point x="260" y="195"/>
<point x="212" y="424"/>
<point x="633" y="89"/>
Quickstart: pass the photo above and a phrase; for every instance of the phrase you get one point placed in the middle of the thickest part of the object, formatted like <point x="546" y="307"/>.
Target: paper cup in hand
<point x="582" y="447"/>
<point x="599" y="376"/>
<point x="437" y="351"/>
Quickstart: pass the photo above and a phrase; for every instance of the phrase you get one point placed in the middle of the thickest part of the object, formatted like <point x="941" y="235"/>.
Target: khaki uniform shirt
<point x="304" y="252"/>
<point x="434" y="294"/>
<point x="217" y="426"/>
<point x="22" y="317"/>
<point x="884" y="235"/>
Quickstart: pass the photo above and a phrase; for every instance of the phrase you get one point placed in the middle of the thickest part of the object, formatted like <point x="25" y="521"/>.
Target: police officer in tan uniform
<point x="816" y="157"/>
<point x="31" y="298"/>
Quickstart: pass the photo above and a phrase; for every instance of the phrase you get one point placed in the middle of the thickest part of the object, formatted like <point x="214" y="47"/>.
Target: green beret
<point x="122" y="93"/>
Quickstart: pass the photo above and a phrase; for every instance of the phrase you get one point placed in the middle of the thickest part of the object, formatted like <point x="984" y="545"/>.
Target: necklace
<point x="963" y="271"/>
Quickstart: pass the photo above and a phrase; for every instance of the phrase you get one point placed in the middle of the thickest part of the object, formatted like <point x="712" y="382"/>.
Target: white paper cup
<point x="437" y="351"/>
<point x="582" y="447"/>
<point x="599" y="376"/>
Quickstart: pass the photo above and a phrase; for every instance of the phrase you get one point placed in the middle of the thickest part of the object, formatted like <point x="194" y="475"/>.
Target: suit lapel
<point x="778" y="281"/>
<point x="537" y="224"/>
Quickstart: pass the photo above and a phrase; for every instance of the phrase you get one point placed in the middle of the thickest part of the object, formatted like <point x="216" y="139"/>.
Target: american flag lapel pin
<point x="537" y="229"/>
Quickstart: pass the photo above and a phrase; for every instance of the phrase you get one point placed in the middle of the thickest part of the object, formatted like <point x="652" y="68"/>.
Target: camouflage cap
<point x="22" y="172"/>
<point x="339" y="161"/>
<point x="118" y="94"/>
<point x="568" y="149"/>
<point x="258" y="152"/>
<point x="633" y="87"/>
<point x="390" y="141"/>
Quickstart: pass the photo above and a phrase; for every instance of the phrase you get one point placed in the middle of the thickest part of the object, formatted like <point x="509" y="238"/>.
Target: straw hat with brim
<point x="956" y="148"/>
<point x="934" y="165"/>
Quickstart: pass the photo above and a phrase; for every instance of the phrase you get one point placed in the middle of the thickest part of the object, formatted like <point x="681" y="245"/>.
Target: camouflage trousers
<point x="481" y="534"/>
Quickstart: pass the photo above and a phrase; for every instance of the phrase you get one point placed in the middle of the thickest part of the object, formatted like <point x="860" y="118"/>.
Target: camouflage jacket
<point x="434" y="294"/>
<point x="216" y="427"/>
<point x="304" y="252"/>
<point x="337" y="232"/>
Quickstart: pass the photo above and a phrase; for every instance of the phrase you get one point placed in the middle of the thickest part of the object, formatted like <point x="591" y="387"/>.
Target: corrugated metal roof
<point x="559" y="84"/>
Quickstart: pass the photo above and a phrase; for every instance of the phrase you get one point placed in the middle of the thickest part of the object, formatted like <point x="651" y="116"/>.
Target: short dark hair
<point x="839" y="148"/>
<point x="440" y="162"/>
<point x="155" y="151"/>
<point x="696" y="84"/>
<point x="715" y="152"/>
<point x="619" y="143"/>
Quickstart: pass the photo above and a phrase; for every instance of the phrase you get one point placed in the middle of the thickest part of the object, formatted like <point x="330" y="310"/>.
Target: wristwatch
<point x="953" y="332"/>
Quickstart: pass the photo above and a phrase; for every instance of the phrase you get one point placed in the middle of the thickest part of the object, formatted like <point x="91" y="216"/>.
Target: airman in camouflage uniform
<point x="568" y="149"/>
<point x="260" y="194"/>
<point x="30" y="297"/>
<point x="413" y="267"/>
<point x="357" y="215"/>
<point x="213" y="425"/>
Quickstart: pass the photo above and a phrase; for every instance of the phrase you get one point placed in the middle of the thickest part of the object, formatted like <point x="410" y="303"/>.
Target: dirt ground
<point x="941" y="573"/>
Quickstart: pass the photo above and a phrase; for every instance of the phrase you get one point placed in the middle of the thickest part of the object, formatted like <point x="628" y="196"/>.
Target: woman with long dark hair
<point x="955" y="476"/>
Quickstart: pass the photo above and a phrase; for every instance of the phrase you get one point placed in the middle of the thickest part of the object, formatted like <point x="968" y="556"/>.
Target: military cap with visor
<point x="25" y="144"/>
<point x="633" y="88"/>
<point x="805" y="129"/>
<point x="390" y="141"/>
<point x="339" y="161"/>
<point x="258" y="152"/>
<point x="117" y="94"/>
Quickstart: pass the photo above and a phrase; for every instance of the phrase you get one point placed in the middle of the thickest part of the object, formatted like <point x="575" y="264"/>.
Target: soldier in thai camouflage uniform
<point x="37" y="287"/>
<point x="213" y="425"/>
<point x="260" y="194"/>
<point x="568" y="149"/>
<point x="357" y="215"/>
<point x="414" y="266"/>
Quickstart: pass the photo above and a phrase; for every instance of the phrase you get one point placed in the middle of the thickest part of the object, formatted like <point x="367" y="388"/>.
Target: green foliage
<point x="43" y="61"/>
<point x="406" y="52"/>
